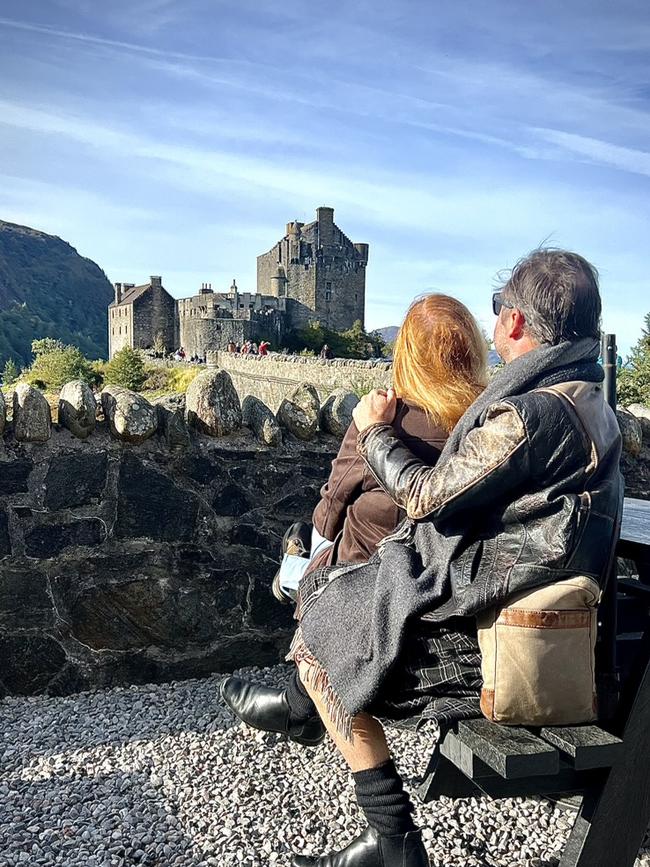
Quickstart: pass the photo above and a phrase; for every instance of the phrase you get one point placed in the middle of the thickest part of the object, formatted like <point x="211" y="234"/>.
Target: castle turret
<point x="279" y="283"/>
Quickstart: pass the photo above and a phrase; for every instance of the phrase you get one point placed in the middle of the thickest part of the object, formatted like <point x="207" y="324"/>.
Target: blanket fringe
<point x="317" y="678"/>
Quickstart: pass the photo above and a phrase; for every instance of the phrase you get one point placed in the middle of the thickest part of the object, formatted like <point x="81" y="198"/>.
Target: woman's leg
<point x="367" y="748"/>
<point x="378" y="786"/>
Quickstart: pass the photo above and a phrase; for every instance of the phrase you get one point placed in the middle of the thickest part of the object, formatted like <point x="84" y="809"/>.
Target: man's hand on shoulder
<point x="376" y="407"/>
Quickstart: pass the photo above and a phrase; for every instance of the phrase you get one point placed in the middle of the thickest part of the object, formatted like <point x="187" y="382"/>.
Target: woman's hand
<point x="376" y="407"/>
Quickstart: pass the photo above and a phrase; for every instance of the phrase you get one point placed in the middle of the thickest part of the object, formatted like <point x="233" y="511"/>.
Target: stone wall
<point x="123" y="563"/>
<point x="272" y="378"/>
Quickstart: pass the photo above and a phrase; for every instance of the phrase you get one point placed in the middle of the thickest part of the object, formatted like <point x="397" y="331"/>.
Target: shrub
<point x="10" y="373"/>
<point x="55" y="364"/>
<point x="127" y="369"/>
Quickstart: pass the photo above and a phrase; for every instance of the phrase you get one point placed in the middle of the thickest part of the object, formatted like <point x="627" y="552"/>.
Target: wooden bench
<point x="608" y="764"/>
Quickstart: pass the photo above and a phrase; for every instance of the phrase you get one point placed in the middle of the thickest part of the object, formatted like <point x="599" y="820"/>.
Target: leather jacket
<point x="354" y="512"/>
<point x="534" y="492"/>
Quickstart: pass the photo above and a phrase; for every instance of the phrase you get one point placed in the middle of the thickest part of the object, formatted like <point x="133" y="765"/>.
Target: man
<point x="525" y="494"/>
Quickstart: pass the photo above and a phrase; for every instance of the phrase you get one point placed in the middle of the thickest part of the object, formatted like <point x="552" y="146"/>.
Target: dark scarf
<point x="353" y="619"/>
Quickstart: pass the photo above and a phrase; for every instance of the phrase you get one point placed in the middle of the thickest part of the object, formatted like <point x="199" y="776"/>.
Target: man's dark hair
<point x="557" y="292"/>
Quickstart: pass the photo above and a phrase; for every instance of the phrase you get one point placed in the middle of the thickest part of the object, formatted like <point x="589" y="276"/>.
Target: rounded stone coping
<point x="362" y="364"/>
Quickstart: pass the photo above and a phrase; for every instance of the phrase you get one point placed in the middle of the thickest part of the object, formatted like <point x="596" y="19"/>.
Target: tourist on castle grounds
<point x="232" y="346"/>
<point x="264" y="347"/>
<point x="326" y="352"/>
<point x="253" y="348"/>
<point x="440" y="368"/>
<point x="525" y="494"/>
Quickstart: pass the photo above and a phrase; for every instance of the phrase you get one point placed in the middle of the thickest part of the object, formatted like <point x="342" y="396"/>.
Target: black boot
<point x="373" y="849"/>
<point x="268" y="709"/>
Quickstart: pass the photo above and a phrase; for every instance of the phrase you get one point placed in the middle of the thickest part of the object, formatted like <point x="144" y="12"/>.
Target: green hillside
<point x="48" y="290"/>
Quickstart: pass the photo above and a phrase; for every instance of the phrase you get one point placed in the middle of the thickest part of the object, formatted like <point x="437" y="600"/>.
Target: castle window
<point x="356" y="296"/>
<point x="306" y="266"/>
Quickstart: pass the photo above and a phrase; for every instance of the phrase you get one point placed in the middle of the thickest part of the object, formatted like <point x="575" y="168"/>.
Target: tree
<point x="55" y="364"/>
<point x="159" y="344"/>
<point x="127" y="369"/>
<point x="633" y="384"/>
<point x="353" y="343"/>
<point x="45" y="345"/>
<point x="10" y="373"/>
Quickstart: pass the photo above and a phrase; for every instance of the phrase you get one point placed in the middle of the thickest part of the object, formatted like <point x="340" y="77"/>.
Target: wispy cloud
<point x="602" y="152"/>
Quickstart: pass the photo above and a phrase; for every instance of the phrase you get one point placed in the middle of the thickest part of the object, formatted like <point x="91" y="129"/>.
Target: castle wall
<point x="273" y="377"/>
<point x="124" y="563"/>
<point x="120" y="328"/>
<point x="340" y="293"/>
<point x="199" y="336"/>
<point x="155" y="312"/>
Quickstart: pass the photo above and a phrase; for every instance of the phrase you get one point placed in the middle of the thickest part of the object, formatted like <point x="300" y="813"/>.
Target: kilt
<point x="437" y="678"/>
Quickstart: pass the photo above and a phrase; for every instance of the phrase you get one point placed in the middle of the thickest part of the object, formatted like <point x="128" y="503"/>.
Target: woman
<point x="439" y="368"/>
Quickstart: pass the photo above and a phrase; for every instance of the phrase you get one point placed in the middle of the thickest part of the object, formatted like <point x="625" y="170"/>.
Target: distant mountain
<point x="389" y="333"/>
<point x="48" y="290"/>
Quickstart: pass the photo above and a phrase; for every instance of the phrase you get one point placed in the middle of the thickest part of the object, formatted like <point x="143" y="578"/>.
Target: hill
<point x="389" y="333"/>
<point x="48" y="290"/>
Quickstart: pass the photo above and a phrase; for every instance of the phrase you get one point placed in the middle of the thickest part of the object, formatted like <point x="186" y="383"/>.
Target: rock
<point x="150" y="505"/>
<point x="48" y="540"/>
<point x="75" y="479"/>
<point x="299" y="413"/>
<point x="336" y="413"/>
<point x="130" y="417"/>
<point x="3" y="413"/>
<point x="258" y="417"/>
<point x="77" y="408"/>
<point x="29" y="662"/>
<point x="212" y="404"/>
<point x="32" y="416"/>
<point x="171" y="420"/>
<point x="642" y="413"/>
<point x="171" y="401"/>
<point x="630" y="431"/>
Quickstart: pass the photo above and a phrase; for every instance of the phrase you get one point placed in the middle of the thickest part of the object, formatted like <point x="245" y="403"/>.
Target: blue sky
<point x="177" y="137"/>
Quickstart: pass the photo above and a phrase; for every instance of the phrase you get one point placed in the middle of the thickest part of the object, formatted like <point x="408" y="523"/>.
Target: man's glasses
<point x="498" y="303"/>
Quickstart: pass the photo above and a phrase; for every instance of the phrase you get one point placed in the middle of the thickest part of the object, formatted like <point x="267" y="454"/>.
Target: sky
<point x="178" y="137"/>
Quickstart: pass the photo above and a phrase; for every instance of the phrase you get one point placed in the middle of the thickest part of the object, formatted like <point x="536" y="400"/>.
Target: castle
<point x="313" y="273"/>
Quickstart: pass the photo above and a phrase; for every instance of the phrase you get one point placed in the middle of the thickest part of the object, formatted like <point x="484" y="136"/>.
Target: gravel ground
<point x="164" y="775"/>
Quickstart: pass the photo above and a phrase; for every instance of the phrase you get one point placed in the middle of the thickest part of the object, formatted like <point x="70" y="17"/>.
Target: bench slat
<point x="589" y="746"/>
<point x="512" y="752"/>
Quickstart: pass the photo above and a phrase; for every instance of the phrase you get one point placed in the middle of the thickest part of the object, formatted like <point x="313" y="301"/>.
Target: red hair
<point x="440" y="358"/>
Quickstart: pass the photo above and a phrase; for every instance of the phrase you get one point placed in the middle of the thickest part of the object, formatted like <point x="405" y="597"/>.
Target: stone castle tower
<point x="320" y="272"/>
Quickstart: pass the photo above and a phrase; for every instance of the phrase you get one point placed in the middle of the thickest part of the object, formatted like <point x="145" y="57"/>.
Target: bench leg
<point x="442" y="777"/>
<point x="612" y="821"/>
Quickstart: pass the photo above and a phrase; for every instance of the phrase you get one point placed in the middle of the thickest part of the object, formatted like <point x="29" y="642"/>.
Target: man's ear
<point x="517" y="324"/>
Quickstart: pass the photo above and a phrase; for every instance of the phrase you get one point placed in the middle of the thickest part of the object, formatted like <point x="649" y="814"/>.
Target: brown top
<point x="355" y="512"/>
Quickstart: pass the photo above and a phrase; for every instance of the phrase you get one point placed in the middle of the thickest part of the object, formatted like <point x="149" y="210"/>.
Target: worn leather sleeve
<point x="492" y="459"/>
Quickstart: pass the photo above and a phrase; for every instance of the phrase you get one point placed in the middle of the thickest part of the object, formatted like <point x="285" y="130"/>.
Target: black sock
<point x="301" y="707"/>
<point x="382" y="798"/>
